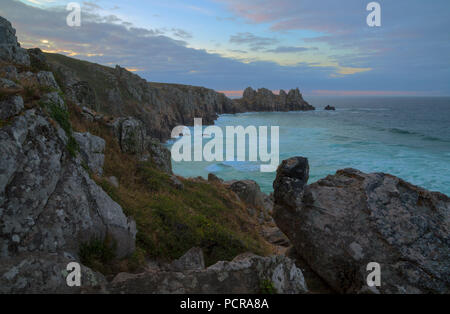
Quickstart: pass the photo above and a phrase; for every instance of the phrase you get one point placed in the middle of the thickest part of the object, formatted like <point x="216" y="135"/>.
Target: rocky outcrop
<point x="10" y="50"/>
<point x="48" y="201"/>
<point x="49" y="205"/>
<point x="160" y="107"/>
<point x="92" y="149"/>
<point x="246" y="274"/>
<point x="248" y="191"/>
<point x="330" y="108"/>
<point x="345" y="221"/>
<point x="264" y="100"/>
<point x="43" y="273"/>
<point x="133" y="139"/>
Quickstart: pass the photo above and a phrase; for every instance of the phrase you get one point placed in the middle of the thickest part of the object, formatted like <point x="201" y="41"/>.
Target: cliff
<point x="96" y="188"/>
<point x="159" y="106"/>
<point x="265" y="100"/>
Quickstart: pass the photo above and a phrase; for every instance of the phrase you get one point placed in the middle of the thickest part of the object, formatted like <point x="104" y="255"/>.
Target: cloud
<point x="177" y="32"/>
<point x="254" y="42"/>
<point x="397" y="59"/>
<point x="286" y="49"/>
<point x="413" y="37"/>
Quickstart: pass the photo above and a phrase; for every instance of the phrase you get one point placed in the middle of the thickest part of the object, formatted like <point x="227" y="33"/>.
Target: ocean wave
<point x="418" y="134"/>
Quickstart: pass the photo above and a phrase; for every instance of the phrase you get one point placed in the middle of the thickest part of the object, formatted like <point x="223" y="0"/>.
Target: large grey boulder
<point x="54" y="98"/>
<point x="133" y="139"/>
<point x="159" y="154"/>
<point x="345" y="221"/>
<point x="48" y="202"/>
<point x="131" y="135"/>
<point x="37" y="59"/>
<point x="191" y="260"/>
<point x="46" y="79"/>
<point x="39" y="273"/>
<point x="246" y="274"/>
<point x="248" y="191"/>
<point x="10" y="50"/>
<point x="82" y="94"/>
<point x="92" y="150"/>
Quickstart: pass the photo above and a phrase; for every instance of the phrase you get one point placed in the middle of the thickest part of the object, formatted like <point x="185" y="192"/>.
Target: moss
<point x="98" y="254"/>
<point x="266" y="286"/>
<point x="72" y="146"/>
<point x="137" y="260"/>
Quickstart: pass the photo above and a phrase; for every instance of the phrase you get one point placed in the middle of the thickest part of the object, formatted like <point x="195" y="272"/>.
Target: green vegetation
<point x="98" y="76"/>
<point x="61" y="115"/>
<point x="266" y="286"/>
<point x="171" y="221"/>
<point x="98" y="254"/>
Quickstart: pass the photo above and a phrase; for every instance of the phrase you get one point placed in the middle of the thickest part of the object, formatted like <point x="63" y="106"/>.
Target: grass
<point x="172" y="221"/>
<point x="266" y="286"/>
<point x="61" y="115"/>
<point x="98" y="254"/>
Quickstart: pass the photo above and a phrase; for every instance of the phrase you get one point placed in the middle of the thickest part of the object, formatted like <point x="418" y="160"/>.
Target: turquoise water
<point x="407" y="137"/>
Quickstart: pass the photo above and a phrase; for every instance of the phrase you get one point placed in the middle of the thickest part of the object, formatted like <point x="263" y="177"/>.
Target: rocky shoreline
<point x="81" y="159"/>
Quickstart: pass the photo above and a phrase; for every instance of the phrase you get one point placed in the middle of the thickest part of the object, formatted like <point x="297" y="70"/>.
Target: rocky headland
<point x="84" y="178"/>
<point x="159" y="106"/>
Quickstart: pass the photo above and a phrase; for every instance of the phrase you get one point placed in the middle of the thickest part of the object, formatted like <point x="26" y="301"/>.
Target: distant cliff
<point x="264" y="100"/>
<point x="160" y="106"/>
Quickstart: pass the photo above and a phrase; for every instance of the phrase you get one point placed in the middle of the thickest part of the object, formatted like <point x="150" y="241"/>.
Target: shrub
<point x="98" y="254"/>
<point x="61" y="115"/>
<point x="266" y="287"/>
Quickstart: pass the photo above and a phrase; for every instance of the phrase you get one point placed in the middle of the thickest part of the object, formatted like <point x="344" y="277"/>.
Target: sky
<point x="323" y="47"/>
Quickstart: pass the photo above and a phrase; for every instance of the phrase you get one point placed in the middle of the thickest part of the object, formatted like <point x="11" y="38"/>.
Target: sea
<point x="408" y="137"/>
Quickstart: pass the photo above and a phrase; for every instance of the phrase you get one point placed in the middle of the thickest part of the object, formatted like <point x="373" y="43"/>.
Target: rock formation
<point x="10" y="50"/>
<point x="330" y="108"/>
<point x="345" y="221"/>
<point x="49" y="205"/>
<point x="246" y="274"/>
<point x="160" y="107"/>
<point x="264" y="100"/>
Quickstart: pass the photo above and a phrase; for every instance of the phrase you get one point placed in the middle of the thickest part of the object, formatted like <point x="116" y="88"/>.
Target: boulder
<point x="345" y="221"/>
<point x="82" y="94"/>
<point x="49" y="205"/>
<point x="131" y="135"/>
<point x="213" y="178"/>
<point x="192" y="260"/>
<point x="246" y="274"/>
<point x="330" y="108"/>
<point x="92" y="149"/>
<point x="37" y="59"/>
<point x="54" y="98"/>
<point x="159" y="154"/>
<point x="46" y="79"/>
<point x="248" y="191"/>
<point x="38" y="273"/>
